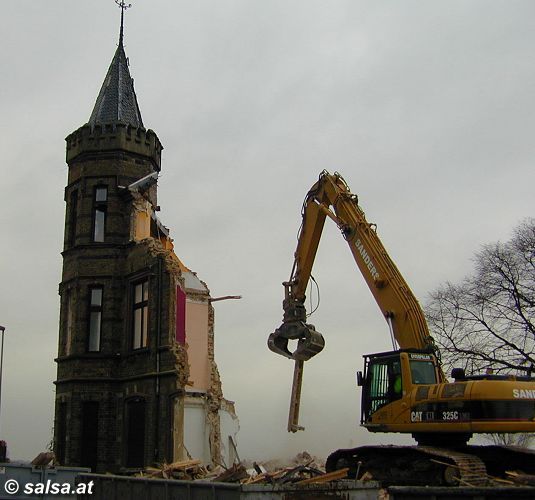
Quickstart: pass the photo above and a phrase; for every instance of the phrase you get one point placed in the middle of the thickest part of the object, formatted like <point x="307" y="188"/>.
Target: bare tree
<point x="487" y="322"/>
<point x="521" y="439"/>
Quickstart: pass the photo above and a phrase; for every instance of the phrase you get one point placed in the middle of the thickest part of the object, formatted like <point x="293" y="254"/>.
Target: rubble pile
<point x="520" y="478"/>
<point x="184" y="470"/>
<point x="301" y="469"/>
<point x="306" y="458"/>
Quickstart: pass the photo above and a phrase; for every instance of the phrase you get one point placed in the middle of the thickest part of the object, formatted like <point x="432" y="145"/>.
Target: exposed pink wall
<point x="197" y="341"/>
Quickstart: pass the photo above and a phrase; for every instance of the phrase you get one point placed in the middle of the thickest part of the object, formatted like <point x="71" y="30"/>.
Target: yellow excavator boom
<point x="330" y="197"/>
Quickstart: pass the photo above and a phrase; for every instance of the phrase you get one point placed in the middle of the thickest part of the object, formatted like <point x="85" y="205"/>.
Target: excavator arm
<point x="331" y="197"/>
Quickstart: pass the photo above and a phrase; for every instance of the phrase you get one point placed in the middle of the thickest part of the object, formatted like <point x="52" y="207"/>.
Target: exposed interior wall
<point x="214" y="394"/>
<point x="179" y="449"/>
<point x="196" y="431"/>
<point x="140" y="218"/>
<point x="230" y="426"/>
<point x="197" y="438"/>
<point x="197" y="345"/>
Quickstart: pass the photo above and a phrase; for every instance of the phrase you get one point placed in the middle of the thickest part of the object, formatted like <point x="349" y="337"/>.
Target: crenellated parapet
<point x="114" y="137"/>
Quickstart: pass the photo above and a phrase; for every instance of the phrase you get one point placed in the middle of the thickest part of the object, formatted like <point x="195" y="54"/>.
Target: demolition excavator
<point x="404" y="390"/>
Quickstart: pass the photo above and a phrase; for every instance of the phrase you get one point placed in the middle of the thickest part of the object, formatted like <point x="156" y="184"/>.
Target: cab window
<point x="385" y="384"/>
<point x="423" y="372"/>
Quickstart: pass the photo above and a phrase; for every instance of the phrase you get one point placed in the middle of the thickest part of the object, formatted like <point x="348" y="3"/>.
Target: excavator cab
<point x="382" y="382"/>
<point x="389" y="376"/>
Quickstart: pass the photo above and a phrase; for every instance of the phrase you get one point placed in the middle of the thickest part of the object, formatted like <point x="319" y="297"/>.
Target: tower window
<point x="95" y="319"/>
<point x="100" y="203"/>
<point x="101" y="193"/>
<point x="140" y="310"/>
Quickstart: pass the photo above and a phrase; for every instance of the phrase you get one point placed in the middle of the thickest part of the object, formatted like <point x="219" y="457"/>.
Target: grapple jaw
<point x="309" y="341"/>
<point x="294" y="327"/>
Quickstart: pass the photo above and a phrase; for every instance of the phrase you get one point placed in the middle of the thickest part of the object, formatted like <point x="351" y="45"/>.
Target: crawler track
<point x="433" y="466"/>
<point x="413" y="465"/>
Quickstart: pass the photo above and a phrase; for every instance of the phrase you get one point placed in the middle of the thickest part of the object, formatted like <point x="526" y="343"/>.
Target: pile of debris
<point x="300" y="474"/>
<point x="302" y="469"/>
<point x="519" y="478"/>
<point x="185" y="470"/>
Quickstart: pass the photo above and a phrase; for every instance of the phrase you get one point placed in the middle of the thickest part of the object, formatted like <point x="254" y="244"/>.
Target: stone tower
<point x="117" y="374"/>
<point x="137" y="382"/>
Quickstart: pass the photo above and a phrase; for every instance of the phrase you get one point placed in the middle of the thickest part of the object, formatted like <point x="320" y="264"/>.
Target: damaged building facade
<point x="137" y="382"/>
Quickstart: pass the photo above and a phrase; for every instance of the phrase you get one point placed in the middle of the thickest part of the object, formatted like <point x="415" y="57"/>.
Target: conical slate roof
<point x="116" y="101"/>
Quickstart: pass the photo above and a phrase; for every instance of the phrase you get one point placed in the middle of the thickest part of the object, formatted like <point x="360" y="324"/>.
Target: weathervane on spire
<point x="123" y="7"/>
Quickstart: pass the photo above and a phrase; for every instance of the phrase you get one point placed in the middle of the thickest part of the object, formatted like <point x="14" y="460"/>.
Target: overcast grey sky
<point x="426" y="108"/>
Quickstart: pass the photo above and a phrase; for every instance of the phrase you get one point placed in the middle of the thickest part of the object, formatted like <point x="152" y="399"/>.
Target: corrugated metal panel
<point x="107" y="487"/>
<point x="348" y="490"/>
<point x="25" y="474"/>
<point x="444" y="493"/>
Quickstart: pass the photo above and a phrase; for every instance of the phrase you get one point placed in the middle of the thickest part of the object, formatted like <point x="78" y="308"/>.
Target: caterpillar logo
<point x="367" y="259"/>
<point x="420" y="356"/>
<point x="524" y="393"/>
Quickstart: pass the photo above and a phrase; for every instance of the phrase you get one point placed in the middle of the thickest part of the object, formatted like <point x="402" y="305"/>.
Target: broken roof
<point x="116" y="101"/>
